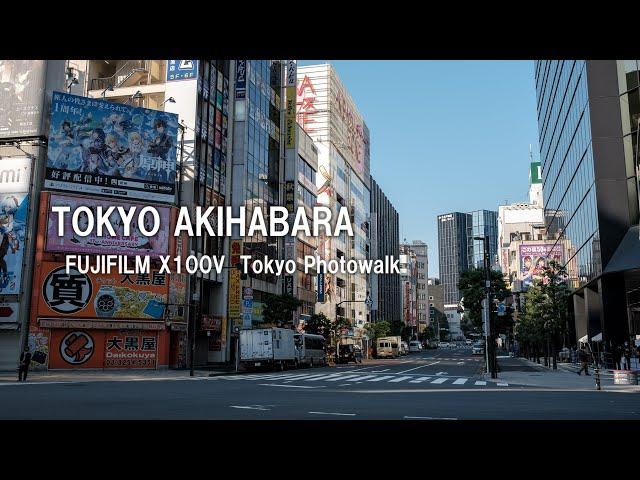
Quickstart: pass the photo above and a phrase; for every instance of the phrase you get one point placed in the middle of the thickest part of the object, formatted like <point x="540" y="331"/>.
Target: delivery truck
<point x="268" y="348"/>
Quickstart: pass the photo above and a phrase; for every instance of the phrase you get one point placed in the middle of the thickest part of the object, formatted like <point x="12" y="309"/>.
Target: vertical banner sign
<point x="289" y="195"/>
<point x="320" y="287"/>
<point x="288" y="284"/>
<point x="247" y="307"/>
<point x="290" y="118"/>
<point x="235" y="288"/>
<point x="241" y="79"/>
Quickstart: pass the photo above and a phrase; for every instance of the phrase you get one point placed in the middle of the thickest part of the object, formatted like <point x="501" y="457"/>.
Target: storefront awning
<point x="597" y="338"/>
<point x="583" y="339"/>
<point x="627" y="255"/>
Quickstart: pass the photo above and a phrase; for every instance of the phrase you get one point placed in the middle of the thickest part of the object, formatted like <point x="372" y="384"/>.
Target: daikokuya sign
<point x="106" y="148"/>
<point x="134" y="244"/>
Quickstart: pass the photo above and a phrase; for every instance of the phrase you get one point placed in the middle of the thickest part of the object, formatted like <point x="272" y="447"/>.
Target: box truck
<point x="388" y="347"/>
<point x="268" y="347"/>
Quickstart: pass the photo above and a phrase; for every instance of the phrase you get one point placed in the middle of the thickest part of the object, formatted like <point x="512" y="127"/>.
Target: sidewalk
<point x="520" y="371"/>
<point x="112" y="375"/>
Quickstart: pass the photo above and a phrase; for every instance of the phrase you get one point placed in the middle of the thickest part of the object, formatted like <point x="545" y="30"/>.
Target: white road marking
<point x="460" y="381"/>
<point x="440" y="380"/>
<point x="248" y="407"/>
<point x="400" y="379"/>
<point x="429" y="418"/>
<point x="502" y="384"/>
<point x="439" y="374"/>
<point x="421" y="366"/>
<point x="342" y="377"/>
<point x="357" y="379"/>
<point x="480" y="382"/>
<point x="380" y="371"/>
<point x="379" y="379"/>
<point x="333" y="413"/>
<point x="460" y="363"/>
<point x="290" y="386"/>
<point x="420" y="379"/>
<point x="324" y="377"/>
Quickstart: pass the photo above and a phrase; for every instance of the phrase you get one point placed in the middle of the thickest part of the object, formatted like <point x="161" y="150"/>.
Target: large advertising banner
<point x="134" y="244"/>
<point x="15" y="181"/>
<point x="112" y="149"/>
<point x="21" y="97"/>
<point x="535" y="257"/>
<point x="111" y="296"/>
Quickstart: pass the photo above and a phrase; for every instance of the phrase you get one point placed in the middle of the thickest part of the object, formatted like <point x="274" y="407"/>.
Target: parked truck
<point x="268" y="348"/>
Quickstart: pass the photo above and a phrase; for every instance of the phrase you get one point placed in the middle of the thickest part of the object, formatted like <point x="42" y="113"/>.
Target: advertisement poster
<point x="112" y="296"/>
<point x="134" y="244"/>
<point x="13" y="220"/>
<point x="534" y="258"/>
<point x="21" y="97"/>
<point x="112" y="149"/>
<point x="78" y="348"/>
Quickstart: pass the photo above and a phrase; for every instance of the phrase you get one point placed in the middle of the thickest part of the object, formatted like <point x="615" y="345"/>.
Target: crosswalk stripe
<point x="324" y="377"/>
<point x="420" y="379"/>
<point x="357" y="379"/>
<point x="379" y="379"/>
<point x="503" y="384"/>
<point x="440" y="380"/>
<point x="400" y="379"/>
<point x="460" y="381"/>
<point x="307" y="376"/>
<point x="480" y="382"/>
<point x="342" y="377"/>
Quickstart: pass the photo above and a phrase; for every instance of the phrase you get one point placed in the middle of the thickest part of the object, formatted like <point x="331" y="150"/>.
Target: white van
<point x="388" y="347"/>
<point x="415" y="346"/>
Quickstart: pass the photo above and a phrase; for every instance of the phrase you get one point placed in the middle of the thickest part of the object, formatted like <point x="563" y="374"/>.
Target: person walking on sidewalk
<point x="25" y="361"/>
<point x="583" y="357"/>
<point x="616" y="350"/>
<point x="626" y="351"/>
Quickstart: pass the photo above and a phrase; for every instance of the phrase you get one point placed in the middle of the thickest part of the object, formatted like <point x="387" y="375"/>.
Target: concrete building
<point x="436" y="305"/>
<point x="408" y="282"/>
<point x="385" y="241"/>
<point x="588" y="116"/>
<point x="327" y="113"/>
<point x="422" y="287"/>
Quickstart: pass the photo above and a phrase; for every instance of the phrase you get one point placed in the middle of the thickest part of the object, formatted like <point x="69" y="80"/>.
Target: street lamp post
<point x="489" y="349"/>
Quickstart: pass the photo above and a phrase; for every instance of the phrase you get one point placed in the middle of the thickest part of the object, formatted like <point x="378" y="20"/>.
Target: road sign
<point x="502" y="309"/>
<point x="9" y="312"/>
<point x="247" y="293"/>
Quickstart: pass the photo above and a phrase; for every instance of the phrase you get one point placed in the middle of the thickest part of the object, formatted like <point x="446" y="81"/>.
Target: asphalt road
<point x="430" y="385"/>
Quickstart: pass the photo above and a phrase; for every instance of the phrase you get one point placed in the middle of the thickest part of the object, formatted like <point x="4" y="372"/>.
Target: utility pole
<point x="489" y="349"/>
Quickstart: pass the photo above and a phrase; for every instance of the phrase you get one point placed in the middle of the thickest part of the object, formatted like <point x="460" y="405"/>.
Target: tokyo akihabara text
<point x="214" y="221"/>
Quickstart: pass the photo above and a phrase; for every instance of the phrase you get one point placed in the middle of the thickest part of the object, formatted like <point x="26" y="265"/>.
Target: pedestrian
<point x="583" y="357"/>
<point x="25" y="361"/>
<point x="617" y="356"/>
<point x="626" y="351"/>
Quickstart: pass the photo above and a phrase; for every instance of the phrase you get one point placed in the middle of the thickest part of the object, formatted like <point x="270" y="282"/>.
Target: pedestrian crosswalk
<point x="364" y="377"/>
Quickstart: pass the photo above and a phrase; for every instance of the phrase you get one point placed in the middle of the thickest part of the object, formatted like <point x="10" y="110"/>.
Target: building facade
<point x="588" y="126"/>
<point x="327" y="113"/>
<point x="422" y="286"/>
<point x="408" y="282"/>
<point x="436" y="305"/>
<point x="453" y="253"/>
<point x="385" y="241"/>
<point x="481" y="223"/>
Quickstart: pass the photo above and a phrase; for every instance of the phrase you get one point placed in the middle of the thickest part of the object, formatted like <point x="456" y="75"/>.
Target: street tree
<point x="472" y="288"/>
<point x="278" y="309"/>
<point x="377" y="330"/>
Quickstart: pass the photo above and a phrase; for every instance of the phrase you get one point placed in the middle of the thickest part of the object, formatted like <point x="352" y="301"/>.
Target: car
<point x="443" y="345"/>
<point x="468" y="342"/>
<point x="478" y="349"/>
<point x="415" y="346"/>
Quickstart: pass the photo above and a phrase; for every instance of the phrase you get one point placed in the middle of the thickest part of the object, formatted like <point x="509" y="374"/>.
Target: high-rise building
<point x="481" y="223"/>
<point x="588" y="115"/>
<point x="327" y="113"/>
<point x="453" y="253"/>
<point x="385" y="241"/>
<point x="408" y="281"/>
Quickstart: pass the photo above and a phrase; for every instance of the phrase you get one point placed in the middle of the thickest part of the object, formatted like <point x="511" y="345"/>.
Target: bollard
<point x="597" y="378"/>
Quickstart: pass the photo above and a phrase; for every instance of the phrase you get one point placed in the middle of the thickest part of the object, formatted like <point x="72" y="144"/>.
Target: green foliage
<point x="546" y="308"/>
<point x="378" y="329"/>
<point x="278" y="309"/>
<point x="318" y="324"/>
<point x="472" y="289"/>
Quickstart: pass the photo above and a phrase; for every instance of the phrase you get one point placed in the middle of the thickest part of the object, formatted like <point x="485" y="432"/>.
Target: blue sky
<point x="445" y="135"/>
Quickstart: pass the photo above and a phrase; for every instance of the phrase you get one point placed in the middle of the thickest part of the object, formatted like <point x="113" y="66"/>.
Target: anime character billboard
<point x="105" y="148"/>
<point x="534" y="258"/>
<point x="21" y="97"/>
<point x="13" y="219"/>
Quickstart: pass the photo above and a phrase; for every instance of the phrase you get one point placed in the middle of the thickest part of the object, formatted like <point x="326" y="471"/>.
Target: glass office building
<point x="588" y="126"/>
<point x="452" y="253"/>
<point x="482" y="223"/>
